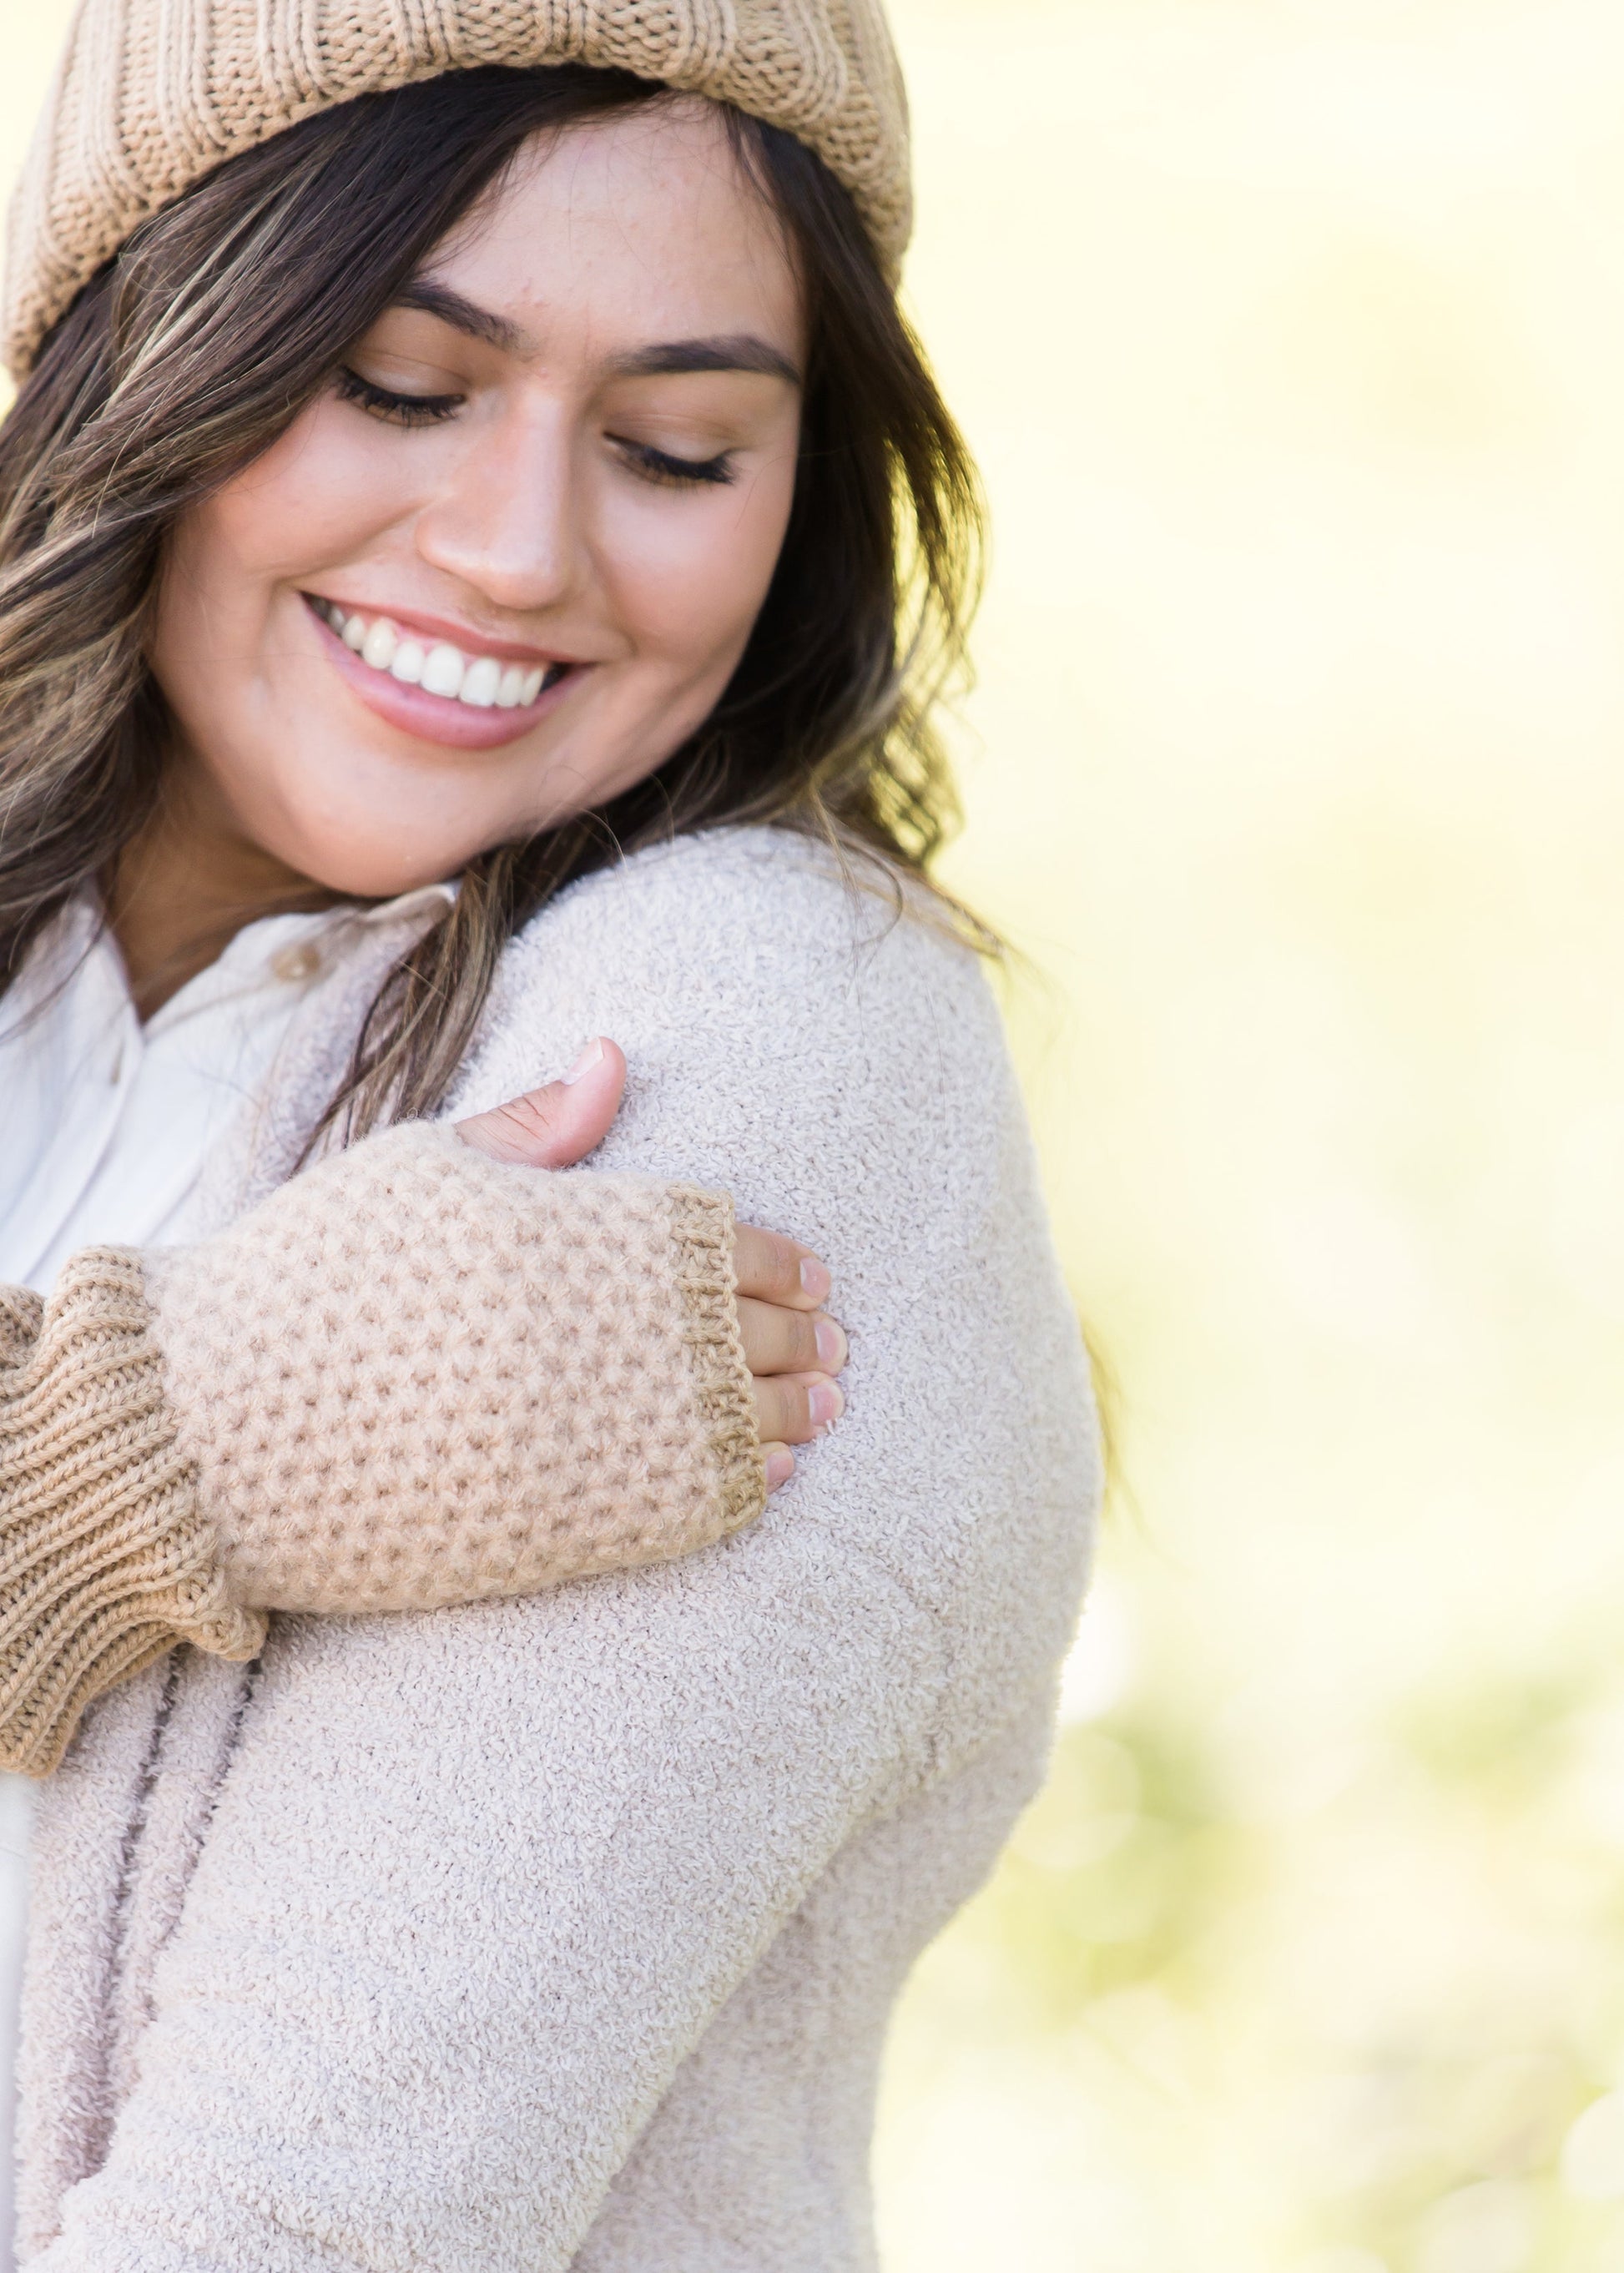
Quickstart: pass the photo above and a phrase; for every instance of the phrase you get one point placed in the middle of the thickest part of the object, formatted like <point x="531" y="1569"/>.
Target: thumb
<point x="554" y="1127"/>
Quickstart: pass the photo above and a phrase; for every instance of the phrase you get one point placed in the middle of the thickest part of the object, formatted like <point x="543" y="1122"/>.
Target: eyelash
<point x="399" y="409"/>
<point x="433" y="409"/>
<point x="677" y="473"/>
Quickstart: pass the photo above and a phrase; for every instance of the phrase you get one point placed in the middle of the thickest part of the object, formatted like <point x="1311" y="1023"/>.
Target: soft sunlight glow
<point x="1290" y="333"/>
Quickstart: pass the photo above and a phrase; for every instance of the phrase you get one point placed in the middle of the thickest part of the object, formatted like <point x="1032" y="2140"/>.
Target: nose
<point x="507" y="522"/>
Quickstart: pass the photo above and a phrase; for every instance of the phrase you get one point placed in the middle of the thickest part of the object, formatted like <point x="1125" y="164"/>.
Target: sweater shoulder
<point x="766" y="943"/>
<point x="761" y="905"/>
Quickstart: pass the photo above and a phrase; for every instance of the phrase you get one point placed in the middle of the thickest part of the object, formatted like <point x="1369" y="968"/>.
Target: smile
<point x="480" y="682"/>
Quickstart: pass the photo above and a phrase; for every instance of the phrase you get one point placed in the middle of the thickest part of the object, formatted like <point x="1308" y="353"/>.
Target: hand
<point x="793" y="1348"/>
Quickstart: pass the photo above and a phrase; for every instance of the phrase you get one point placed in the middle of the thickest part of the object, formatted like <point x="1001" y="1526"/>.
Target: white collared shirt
<point x="107" y="1127"/>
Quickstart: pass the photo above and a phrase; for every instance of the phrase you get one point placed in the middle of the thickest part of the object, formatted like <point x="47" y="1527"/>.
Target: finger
<point x="780" y="1463"/>
<point x="794" y="1408"/>
<point x="554" y="1127"/>
<point x="776" y="1340"/>
<point x="774" y="1269"/>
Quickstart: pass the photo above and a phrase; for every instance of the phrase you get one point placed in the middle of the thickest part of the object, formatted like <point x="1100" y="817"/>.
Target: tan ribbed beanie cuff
<point x="153" y="95"/>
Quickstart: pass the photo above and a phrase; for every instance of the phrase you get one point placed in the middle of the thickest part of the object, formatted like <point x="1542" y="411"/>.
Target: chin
<point x="367" y="833"/>
<point x="367" y="825"/>
<point x="366" y="872"/>
<point x="360" y="861"/>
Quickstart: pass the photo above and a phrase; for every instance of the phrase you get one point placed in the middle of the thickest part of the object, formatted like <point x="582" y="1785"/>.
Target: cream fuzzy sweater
<point x="563" y="1932"/>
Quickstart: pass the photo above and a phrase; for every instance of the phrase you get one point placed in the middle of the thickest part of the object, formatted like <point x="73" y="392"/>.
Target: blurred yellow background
<point x="1290" y="333"/>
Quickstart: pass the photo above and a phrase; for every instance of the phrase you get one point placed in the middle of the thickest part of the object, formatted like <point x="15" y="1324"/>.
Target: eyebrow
<point x="739" y="351"/>
<point x="431" y="299"/>
<point x="668" y="358"/>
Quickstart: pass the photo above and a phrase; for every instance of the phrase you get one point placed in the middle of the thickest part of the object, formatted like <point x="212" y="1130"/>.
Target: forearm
<point x="416" y="1378"/>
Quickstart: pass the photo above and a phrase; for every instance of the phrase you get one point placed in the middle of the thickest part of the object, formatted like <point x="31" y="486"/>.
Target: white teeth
<point x="377" y="647"/>
<point x="482" y="682"/>
<point x="444" y="671"/>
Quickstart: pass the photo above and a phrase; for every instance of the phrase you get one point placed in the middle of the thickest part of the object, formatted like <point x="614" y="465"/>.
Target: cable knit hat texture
<point x="153" y="95"/>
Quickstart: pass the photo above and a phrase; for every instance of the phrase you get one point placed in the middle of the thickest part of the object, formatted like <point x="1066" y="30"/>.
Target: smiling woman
<point x="516" y="480"/>
<point x="665" y="445"/>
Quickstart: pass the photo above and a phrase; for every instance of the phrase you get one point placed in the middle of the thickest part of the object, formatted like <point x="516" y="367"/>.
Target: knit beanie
<point x="151" y="94"/>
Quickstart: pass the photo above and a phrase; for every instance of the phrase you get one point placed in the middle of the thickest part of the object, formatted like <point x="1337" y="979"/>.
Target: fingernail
<point x="814" y="1278"/>
<point x="832" y="1350"/>
<point x="591" y="1056"/>
<point x="825" y="1404"/>
<point x="780" y="1467"/>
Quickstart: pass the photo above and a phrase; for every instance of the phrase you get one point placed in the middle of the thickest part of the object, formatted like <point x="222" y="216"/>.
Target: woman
<point x="464" y="504"/>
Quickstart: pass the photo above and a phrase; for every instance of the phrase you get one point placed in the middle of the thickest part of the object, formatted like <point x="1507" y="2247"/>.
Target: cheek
<point x="689" y="574"/>
<point x="313" y="498"/>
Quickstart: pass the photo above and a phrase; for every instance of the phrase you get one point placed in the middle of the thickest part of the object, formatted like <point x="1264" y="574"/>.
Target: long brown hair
<point x="224" y="316"/>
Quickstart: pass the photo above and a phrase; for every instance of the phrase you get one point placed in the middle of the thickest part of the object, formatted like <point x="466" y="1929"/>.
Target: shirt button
<point x="294" y="964"/>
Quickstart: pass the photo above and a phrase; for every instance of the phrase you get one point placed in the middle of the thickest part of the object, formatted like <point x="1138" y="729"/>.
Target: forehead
<point x="647" y="219"/>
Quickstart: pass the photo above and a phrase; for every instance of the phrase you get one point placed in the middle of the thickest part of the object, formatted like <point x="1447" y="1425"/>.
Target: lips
<point x="398" y="669"/>
<point x="481" y="682"/>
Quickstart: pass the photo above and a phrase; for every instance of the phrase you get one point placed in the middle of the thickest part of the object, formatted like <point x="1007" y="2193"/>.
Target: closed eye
<point x="682" y="472"/>
<point x="399" y="409"/>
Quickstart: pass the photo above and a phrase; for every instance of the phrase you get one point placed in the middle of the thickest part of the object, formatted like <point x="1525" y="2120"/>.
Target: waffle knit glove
<point x="412" y="1377"/>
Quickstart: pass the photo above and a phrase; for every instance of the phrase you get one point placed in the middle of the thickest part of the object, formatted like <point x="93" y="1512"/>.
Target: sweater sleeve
<point x="105" y="1562"/>
<point x="414" y="1377"/>
<point x="434" y="1979"/>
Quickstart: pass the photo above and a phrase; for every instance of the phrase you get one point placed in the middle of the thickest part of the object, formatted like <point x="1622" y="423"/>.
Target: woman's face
<point x="504" y="566"/>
